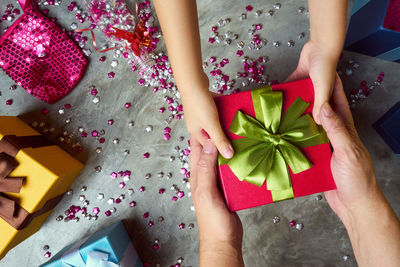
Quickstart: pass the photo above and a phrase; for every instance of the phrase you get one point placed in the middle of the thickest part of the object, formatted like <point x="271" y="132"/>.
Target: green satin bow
<point x="273" y="142"/>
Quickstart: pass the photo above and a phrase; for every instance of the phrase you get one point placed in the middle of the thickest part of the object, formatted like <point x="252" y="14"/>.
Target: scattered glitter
<point x="299" y="226"/>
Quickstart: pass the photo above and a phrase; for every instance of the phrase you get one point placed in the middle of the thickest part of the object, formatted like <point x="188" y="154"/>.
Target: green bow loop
<point x="272" y="142"/>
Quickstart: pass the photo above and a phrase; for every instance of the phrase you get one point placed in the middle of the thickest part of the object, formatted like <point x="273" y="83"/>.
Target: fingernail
<point x="228" y="152"/>
<point x="209" y="147"/>
<point x="327" y="110"/>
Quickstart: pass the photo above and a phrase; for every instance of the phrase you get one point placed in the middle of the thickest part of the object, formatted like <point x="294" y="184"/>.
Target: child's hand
<point x="201" y="116"/>
<point x="320" y="66"/>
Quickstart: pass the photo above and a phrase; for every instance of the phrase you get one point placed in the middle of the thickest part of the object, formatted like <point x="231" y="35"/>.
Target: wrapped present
<point x="374" y="30"/>
<point x="358" y="4"/>
<point x="280" y="153"/>
<point x="110" y="247"/>
<point x="34" y="174"/>
<point x="388" y="127"/>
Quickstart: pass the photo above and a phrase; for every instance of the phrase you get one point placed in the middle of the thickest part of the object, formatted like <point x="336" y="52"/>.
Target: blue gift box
<point x="371" y="31"/>
<point x="358" y="4"/>
<point x="110" y="247"/>
<point x="388" y="126"/>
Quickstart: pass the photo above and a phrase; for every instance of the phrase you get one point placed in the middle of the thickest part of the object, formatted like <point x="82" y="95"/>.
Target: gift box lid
<point x="388" y="127"/>
<point x="112" y="240"/>
<point x="55" y="167"/>
<point x="375" y="28"/>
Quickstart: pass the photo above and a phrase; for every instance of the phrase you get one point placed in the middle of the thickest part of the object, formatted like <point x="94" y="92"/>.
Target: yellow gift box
<point x="47" y="173"/>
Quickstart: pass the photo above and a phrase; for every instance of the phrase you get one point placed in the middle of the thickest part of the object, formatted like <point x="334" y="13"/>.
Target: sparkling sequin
<point x="28" y="46"/>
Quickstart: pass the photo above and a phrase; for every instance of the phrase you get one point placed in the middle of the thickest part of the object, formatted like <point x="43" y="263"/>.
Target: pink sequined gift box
<point x="40" y="57"/>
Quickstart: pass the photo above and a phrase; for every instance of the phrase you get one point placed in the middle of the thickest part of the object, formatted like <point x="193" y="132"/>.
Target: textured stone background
<point x="322" y="242"/>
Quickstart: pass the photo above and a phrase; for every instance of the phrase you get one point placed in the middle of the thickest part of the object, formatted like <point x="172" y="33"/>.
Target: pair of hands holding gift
<point x="358" y="200"/>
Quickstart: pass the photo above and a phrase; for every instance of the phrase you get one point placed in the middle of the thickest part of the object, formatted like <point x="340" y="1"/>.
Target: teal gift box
<point x="110" y="247"/>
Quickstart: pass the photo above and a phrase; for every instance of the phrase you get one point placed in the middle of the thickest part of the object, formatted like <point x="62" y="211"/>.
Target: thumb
<point x="223" y="145"/>
<point x="206" y="174"/>
<point x="335" y="128"/>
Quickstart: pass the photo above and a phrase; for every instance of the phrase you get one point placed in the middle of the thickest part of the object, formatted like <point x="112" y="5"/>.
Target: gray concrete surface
<point x="322" y="242"/>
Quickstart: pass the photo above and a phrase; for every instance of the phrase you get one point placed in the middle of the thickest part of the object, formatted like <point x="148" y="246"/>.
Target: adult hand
<point x="318" y="64"/>
<point x="220" y="231"/>
<point x="202" y="120"/>
<point x="358" y="201"/>
<point x="351" y="164"/>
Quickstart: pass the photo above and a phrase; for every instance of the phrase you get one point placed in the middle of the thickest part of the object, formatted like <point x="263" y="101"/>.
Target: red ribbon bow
<point x="140" y="37"/>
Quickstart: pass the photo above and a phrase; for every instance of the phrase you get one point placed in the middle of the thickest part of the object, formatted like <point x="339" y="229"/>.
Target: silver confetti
<point x="84" y="188"/>
<point x="299" y="226"/>
<point x="276" y="219"/>
<point x="74" y="26"/>
<point x="270" y="13"/>
<point x="276" y="43"/>
<point x="110" y="201"/>
<point x="82" y="197"/>
<point x="130" y="191"/>
<point x="98" y="169"/>
<point x="86" y="52"/>
<point x="100" y="196"/>
<point x="290" y="43"/>
<point x="116" y="141"/>
<point x="131" y="124"/>
<point x="114" y="63"/>
<point x="277" y="6"/>
<point x="243" y="16"/>
<point x="70" y="192"/>
<point x="346" y="257"/>
<point x="149" y="128"/>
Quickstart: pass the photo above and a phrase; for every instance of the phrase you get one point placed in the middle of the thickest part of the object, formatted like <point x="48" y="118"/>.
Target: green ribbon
<point x="273" y="142"/>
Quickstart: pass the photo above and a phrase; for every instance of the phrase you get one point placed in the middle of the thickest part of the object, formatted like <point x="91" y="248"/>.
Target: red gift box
<point x="243" y="195"/>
